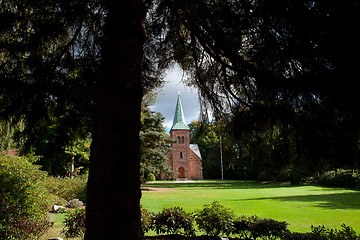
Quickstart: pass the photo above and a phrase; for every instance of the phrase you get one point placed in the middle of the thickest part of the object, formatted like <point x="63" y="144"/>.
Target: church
<point x="184" y="158"/>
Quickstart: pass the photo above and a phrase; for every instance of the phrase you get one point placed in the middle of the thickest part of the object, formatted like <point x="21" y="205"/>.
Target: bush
<point x="60" y="202"/>
<point x="323" y="233"/>
<point x="24" y="201"/>
<point x="174" y="221"/>
<point x="146" y="220"/>
<point x="241" y="226"/>
<point x="75" y="223"/>
<point x="297" y="236"/>
<point x="215" y="219"/>
<point x="150" y="177"/>
<point x="255" y="227"/>
<point x="340" y="178"/>
<point x="68" y="188"/>
<point x="267" y="228"/>
<point x="74" y="203"/>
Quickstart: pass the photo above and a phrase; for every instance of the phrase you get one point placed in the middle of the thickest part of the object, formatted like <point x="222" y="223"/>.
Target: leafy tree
<point x="207" y="136"/>
<point x="8" y="135"/>
<point x="79" y="149"/>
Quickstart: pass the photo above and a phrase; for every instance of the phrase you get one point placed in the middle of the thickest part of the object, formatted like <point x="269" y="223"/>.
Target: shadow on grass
<point x="219" y="185"/>
<point x="323" y="199"/>
<point x="349" y="200"/>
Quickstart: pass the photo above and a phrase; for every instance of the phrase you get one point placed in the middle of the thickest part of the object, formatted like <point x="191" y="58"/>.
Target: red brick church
<point x="185" y="158"/>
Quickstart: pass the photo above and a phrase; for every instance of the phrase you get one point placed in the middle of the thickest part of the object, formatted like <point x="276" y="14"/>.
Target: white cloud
<point x="168" y="97"/>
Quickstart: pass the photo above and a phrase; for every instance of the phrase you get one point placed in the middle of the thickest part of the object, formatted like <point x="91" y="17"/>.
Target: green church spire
<point x="179" y="119"/>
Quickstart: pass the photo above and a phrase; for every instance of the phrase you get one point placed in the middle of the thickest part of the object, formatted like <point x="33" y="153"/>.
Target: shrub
<point x="74" y="203"/>
<point x="340" y="178"/>
<point x="143" y="179"/>
<point x="24" y="201"/>
<point x="215" y="219"/>
<point x="174" y="221"/>
<point x="267" y="228"/>
<point x="150" y="177"/>
<point x="241" y="226"/>
<point x="297" y="236"/>
<point x="323" y="233"/>
<point x="255" y="227"/>
<point x="74" y="223"/>
<point x="68" y="188"/>
<point x="146" y="220"/>
<point x="61" y="202"/>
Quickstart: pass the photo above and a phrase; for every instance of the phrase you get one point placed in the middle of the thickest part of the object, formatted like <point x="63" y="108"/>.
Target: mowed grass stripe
<point x="300" y="206"/>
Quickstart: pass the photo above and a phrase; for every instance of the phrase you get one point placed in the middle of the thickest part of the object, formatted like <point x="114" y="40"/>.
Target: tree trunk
<point x="114" y="182"/>
<point x="72" y="172"/>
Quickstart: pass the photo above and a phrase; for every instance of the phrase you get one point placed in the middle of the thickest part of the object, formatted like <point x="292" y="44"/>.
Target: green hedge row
<point x="214" y="219"/>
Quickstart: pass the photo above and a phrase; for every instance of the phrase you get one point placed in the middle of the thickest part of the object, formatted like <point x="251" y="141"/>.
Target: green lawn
<point x="55" y="230"/>
<point x="300" y="206"/>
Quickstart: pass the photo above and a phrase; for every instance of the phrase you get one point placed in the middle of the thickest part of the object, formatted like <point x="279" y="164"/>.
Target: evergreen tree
<point x="155" y="143"/>
<point x="274" y="62"/>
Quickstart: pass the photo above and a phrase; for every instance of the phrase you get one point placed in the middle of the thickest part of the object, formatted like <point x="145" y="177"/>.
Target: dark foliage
<point x="173" y="221"/>
<point x="340" y="178"/>
<point x="274" y="64"/>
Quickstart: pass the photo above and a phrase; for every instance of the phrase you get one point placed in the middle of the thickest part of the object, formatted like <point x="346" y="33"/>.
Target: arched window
<point x="182" y="139"/>
<point x="181" y="155"/>
<point x="178" y="139"/>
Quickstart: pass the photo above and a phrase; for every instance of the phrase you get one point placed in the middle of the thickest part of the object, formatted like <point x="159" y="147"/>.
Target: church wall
<point x="195" y="166"/>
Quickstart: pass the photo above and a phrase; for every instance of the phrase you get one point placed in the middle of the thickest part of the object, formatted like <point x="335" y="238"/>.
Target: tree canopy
<point x="266" y="63"/>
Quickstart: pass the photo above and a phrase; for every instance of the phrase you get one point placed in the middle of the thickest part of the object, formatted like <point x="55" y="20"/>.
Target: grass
<point x="300" y="206"/>
<point x="55" y="230"/>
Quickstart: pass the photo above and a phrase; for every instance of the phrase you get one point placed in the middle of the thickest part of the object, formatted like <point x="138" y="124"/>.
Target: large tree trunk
<point x="114" y="182"/>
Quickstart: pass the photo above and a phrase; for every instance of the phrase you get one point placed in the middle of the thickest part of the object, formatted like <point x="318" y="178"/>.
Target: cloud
<point x="168" y="97"/>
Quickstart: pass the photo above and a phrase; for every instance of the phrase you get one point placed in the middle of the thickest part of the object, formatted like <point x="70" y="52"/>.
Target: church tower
<point x="185" y="158"/>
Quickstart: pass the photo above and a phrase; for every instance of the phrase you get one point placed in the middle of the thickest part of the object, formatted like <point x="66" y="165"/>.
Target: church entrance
<point x="181" y="171"/>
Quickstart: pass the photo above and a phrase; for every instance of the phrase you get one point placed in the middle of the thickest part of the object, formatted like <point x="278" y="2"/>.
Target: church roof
<point x="179" y="119"/>
<point x="195" y="149"/>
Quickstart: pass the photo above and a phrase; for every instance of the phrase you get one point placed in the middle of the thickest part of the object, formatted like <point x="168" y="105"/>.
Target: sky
<point x="167" y="98"/>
